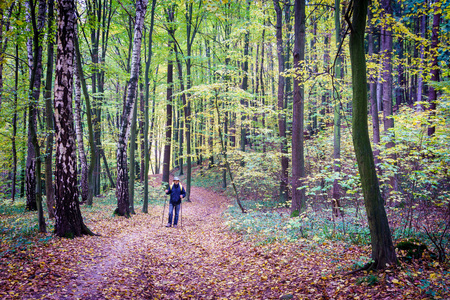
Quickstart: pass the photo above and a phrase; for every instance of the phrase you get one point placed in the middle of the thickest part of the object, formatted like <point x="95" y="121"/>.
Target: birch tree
<point x="68" y="219"/>
<point x="122" y="191"/>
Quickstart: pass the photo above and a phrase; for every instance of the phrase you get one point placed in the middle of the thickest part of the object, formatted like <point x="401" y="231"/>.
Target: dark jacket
<point x="175" y="192"/>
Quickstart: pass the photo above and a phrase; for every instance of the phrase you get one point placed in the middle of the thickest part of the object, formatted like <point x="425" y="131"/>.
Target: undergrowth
<point x="19" y="228"/>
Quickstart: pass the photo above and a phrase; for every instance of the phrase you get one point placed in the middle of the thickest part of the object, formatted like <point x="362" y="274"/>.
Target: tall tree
<point x="284" y="190"/>
<point x="337" y="111"/>
<point x="93" y="147"/>
<point x="146" y="109"/>
<point x="167" y="146"/>
<point x="49" y="192"/>
<point x="34" y="193"/>
<point x="373" y="90"/>
<point x="432" y="95"/>
<point x="191" y="32"/>
<point x="298" y="159"/>
<point x="122" y="191"/>
<point x="68" y="219"/>
<point x="5" y="22"/>
<point x="383" y="251"/>
<point x="84" y="185"/>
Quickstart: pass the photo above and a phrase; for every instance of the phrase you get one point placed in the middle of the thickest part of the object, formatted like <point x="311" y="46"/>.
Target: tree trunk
<point x="132" y="156"/>
<point x="432" y="95"/>
<point x="79" y="133"/>
<point x="190" y="35"/>
<point x="68" y="219"/>
<point x="245" y="80"/>
<point x="298" y="160"/>
<point x="34" y="193"/>
<point x="420" y="76"/>
<point x="167" y="145"/>
<point x="14" y="121"/>
<point x="337" y="115"/>
<point x="49" y="191"/>
<point x="383" y="251"/>
<point x="284" y="191"/>
<point x="93" y="147"/>
<point x="146" y="110"/>
<point x="387" y="86"/>
<point x="373" y="93"/>
<point x="122" y="195"/>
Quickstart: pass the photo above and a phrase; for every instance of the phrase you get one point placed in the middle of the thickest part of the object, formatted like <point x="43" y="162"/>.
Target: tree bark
<point x="284" y="191"/>
<point x="387" y="85"/>
<point x="383" y="251"/>
<point x="84" y="186"/>
<point x="432" y="95"/>
<point x="337" y="115"/>
<point x="4" y="41"/>
<point x="14" y="121"/>
<point x="122" y="195"/>
<point x="132" y="156"/>
<point x="146" y="109"/>
<point x="93" y="146"/>
<point x="298" y="159"/>
<point x="49" y="191"/>
<point x="34" y="189"/>
<point x="68" y="219"/>
<point x="167" y="145"/>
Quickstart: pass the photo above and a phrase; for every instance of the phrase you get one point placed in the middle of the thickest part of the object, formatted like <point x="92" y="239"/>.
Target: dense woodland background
<point x="173" y="86"/>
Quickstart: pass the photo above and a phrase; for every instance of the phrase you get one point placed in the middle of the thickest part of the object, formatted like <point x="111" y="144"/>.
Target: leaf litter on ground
<point x="139" y="258"/>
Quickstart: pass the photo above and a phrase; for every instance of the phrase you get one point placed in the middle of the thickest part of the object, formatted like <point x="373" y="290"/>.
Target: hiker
<point x="177" y="193"/>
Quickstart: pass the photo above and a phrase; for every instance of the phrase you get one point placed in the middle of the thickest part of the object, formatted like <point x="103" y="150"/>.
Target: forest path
<point x="140" y="258"/>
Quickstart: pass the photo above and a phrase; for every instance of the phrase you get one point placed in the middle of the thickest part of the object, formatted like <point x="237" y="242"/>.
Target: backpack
<point x="181" y="187"/>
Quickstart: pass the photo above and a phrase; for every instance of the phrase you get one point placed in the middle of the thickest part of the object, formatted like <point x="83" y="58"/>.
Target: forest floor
<point x="139" y="258"/>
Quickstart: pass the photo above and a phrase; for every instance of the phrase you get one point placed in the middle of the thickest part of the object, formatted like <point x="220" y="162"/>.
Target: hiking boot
<point x="168" y="225"/>
<point x="174" y="226"/>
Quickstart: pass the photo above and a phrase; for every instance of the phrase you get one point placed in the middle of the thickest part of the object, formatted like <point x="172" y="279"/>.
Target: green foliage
<point x="369" y="280"/>
<point x="265" y="224"/>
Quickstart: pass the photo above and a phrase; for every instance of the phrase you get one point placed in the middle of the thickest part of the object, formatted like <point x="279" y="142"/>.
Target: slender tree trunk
<point x="84" y="186"/>
<point x="167" y="145"/>
<point x="192" y="30"/>
<point x="34" y="168"/>
<point x="122" y="190"/>
<point x="93" y="146"/>
<point x="146" y="110"/>
<point x="284" y="191"/>
<point x="245" y="80"/>
<point x="14" y="123"/>
<point x="373" y="94"/>
<point x="432" y="95"/>
<point x="132" y="156"/>
<point x="387" y="86"/>
<point x="68" y="219"/>
<point x="337" y="115"/>
<point x="298" y="160"/>
<point x="49" y="191"/>
<point x="423" y="29"/>
<point x="383" y="251"/>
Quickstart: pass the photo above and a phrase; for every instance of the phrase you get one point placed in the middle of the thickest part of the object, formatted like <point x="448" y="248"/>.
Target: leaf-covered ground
<point x="139" y="258"/>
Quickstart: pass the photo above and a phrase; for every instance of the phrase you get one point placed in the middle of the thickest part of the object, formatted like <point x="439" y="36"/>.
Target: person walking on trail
<point x="177" y="193"/>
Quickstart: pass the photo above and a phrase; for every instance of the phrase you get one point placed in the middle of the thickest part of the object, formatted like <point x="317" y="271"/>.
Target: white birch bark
<point x="122" y="192"/>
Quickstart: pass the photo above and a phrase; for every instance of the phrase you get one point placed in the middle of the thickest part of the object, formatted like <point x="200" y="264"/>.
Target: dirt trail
<point x="139" y="258"/>
<point x="147" y="260"/>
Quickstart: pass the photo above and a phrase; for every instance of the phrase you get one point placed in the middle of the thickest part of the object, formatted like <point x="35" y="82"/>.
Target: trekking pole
<point x="162" y="219"/>
<point x="181" y="214"/>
